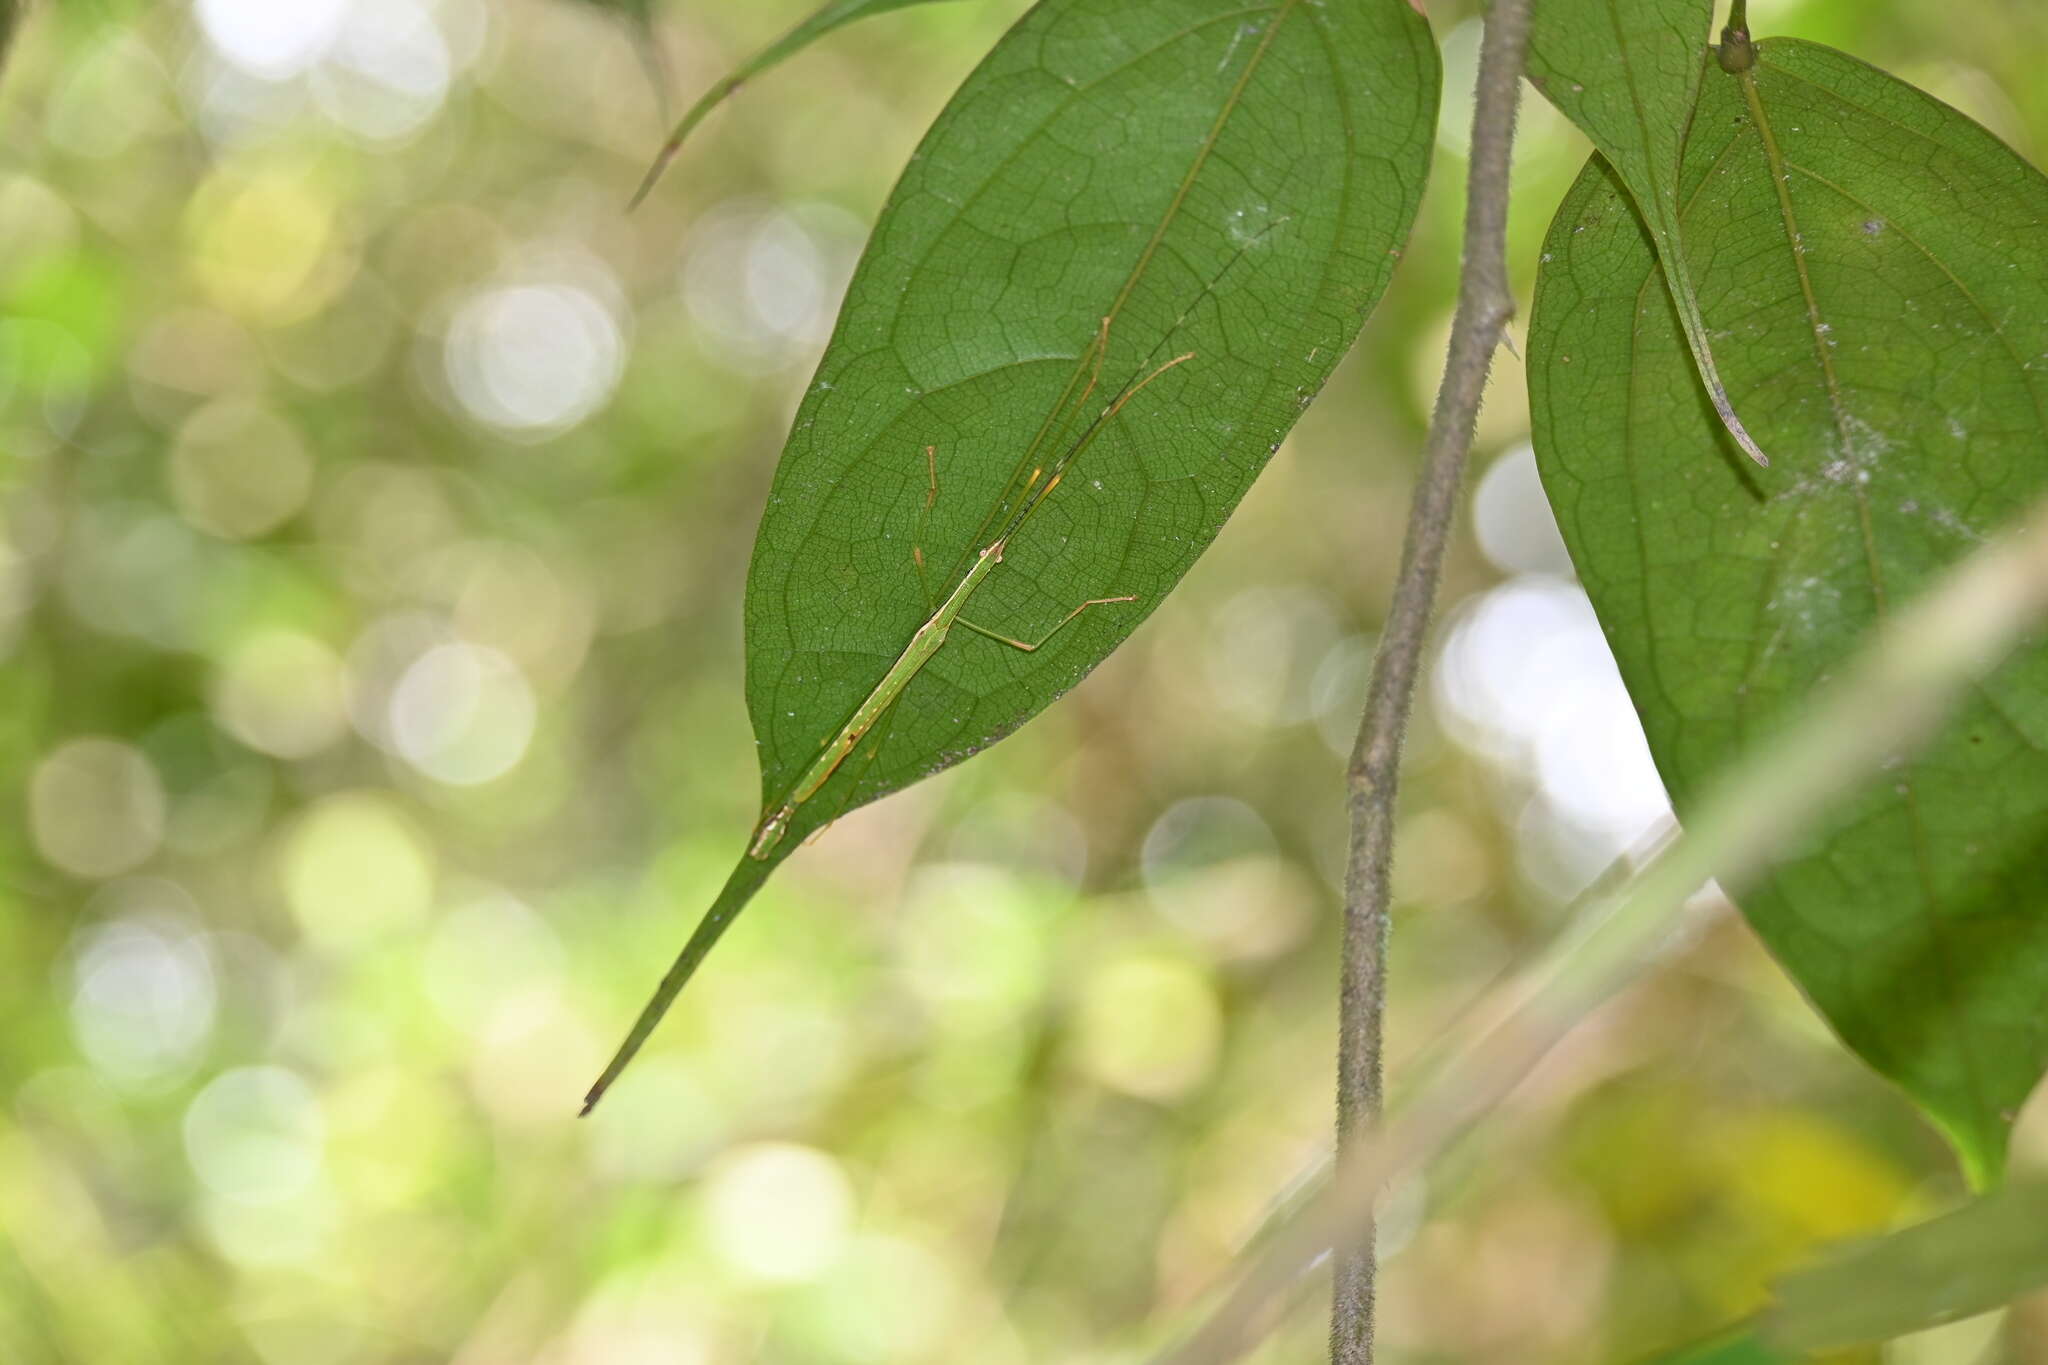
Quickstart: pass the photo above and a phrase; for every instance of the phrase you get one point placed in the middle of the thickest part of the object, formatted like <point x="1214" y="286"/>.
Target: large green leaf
<point x="1627" y="72"/>
<point x="835" y="15"/>
<point x="1876" y="267"/>
<point x="1228" y="184"/>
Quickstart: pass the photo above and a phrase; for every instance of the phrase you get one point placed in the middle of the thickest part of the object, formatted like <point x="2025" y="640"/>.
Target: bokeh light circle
<point x="96" y="807"/>
<point x="271" y="39"/>
<point x="778" y="1211"/>
<point x="255" y="1135"/>
<point x="144" y="996"/>
<point x="534" y="360"/>
<point x="463" y="714"/>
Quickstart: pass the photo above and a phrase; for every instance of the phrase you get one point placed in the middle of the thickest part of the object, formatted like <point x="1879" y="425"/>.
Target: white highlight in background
<point x="255" y="1135"/>
<point x="143" y="1005"/>
<point x="1527" y="679"/>
<point x="534" y="359"/>
<point x="270" y="39"/>
<point x="463" y="714"/>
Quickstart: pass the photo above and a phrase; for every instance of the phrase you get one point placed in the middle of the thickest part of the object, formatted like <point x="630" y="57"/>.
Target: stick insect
<point x="1068" y="431"/>
<point x="931" y="637"/>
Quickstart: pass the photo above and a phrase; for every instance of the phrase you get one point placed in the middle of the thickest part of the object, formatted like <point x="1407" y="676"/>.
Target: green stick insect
<point x="932" y="635"/>
<point x="1034" y="482"/>
<point x="1068" y="430"/>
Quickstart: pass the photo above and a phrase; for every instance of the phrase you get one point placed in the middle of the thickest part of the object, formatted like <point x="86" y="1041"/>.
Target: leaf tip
<point x="654" y="174"/>
<point x="664" y="158"/>
<point x="1736" y="429"/>
<point x="1724" y="407"/>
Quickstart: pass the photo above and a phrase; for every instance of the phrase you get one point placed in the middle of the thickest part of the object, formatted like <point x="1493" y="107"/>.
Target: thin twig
<point x="1890" y="698"/>
<point x="1485" y="304"/>
<point x="1310" y="1182"/>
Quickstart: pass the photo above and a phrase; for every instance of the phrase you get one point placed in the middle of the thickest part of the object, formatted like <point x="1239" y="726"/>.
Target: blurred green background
<point x="377" y="502"/>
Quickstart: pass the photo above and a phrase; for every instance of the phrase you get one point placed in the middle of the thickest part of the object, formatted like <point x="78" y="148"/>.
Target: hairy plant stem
<point x="1736" y="53"/>
<point x="1485" y="305"/>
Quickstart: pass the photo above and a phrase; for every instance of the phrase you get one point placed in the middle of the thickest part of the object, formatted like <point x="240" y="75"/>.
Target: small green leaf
<point x="1975" y="1260"/>
<point x="835" y="15"/>
<point x="1627" y="72"/>
<point x="1879" y="267"/>
<point x="1189" y="203"/>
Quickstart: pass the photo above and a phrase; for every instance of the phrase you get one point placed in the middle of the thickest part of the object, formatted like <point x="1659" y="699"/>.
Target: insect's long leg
<point x="1066" y="621"/>
<point x="1101" y="357"/>
<point x="1087" y="373"/>
<point x="1060" y="420"/>
<point x="924" y="526"/>
<point x="1134" y="390"/>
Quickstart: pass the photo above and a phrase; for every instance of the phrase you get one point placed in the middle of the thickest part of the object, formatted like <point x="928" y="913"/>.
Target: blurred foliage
<point x="1741" y="1349"/>
<point x="1962" y="1265"/>
<point x="377" y="501"/>
<point x="1971" y="1261"/>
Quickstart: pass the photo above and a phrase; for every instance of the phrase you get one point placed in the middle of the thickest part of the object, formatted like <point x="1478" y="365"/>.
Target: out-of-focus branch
<point x="1485" y="304"/>
<point x="10" y="20"/>
<point x="1878" y="713"/>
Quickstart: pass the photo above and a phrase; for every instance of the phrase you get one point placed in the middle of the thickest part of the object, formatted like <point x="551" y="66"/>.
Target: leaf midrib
<point x="1991" y="324"/>
<point x="1936" y="922"/>
<point x="1279" y="14"/>
<point x="892" y="349"/>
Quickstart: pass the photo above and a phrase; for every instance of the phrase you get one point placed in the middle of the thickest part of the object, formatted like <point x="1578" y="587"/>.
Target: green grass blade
<point x="835" y="15"/>
<point x="1974" y="1260"/>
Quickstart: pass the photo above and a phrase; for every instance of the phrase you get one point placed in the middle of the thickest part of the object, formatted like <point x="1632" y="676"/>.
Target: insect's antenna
<point x="924" y="525"/>
<point x="1244" y="248"/>
<point x="1094" y="429"/>
<point x="1074" y="395"/>
<point x="1133" y="390"/>
<point x="1059" y="420"/>
<point x="1101" y="355"/>
<point x="1074" y="398"/>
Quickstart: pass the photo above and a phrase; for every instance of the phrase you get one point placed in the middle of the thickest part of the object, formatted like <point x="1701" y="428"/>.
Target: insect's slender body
<point x="930" y="637"/>
<point x="1066" y="429"/>
<point x="1025" y="494"/>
